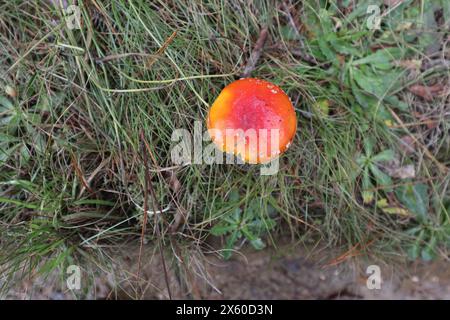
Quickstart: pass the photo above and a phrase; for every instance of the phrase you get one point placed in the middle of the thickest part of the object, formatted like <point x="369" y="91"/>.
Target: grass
<point x="75" y="102"/>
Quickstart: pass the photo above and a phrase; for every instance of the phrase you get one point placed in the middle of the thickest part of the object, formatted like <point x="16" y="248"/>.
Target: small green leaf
<point x="258" y="244"/>
<point x="6" y="153"/>
<point x="366" y="101"/>
<point x="5" y="104"/>
<point x="379" y="57"/>
<point x="415" y="198"/>
<point x="220" y="229"/>
<point x="413" y="251"/>
<point x="322" y="107"/>
<point x="367" y="194"/>
<point x="288" y="33"/>
<point x="360" y="9"/>
<point x="379" y="84"/>
<point x="361" y="161"/>
<point x="233" y="196"/>
<point x="236" y="216"/>
<point x="325" y="22"/>
<point x="428" y="252"/>
<point x="397" y="103"/>
<point x="386" y="155"/>
<point x="369" y="82"/>
<point x="368" y="146"/>
<point x="382" y="178"/>
<point x="446" y="8"/>
<point x="344" y="47"/>
<point x="326" y="50"/>
<point x="230" y="244"/>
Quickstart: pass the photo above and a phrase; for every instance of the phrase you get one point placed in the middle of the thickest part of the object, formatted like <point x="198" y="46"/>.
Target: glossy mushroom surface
<point x="253" y="119"/>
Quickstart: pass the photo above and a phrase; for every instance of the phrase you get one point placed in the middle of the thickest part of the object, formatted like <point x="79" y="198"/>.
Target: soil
<point x="290" y="272"/>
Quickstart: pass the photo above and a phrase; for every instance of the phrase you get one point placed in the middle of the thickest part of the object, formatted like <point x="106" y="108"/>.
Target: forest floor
<point x="289" y="272"/>
<point x="92" y="96"/>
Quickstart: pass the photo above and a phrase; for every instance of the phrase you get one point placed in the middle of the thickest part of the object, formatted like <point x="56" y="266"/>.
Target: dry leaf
<point x="389" y="209"/>
<point x="395" y="170"/>
<point x="403" y="172"/>
<point x="178" y="220"/>
<point x="404" y="26"/>
<point x="427" y="92"/>
<point x="174" y="183"/>
<point x="409" y="64"/>
<point x="10" y="91"/>
<point x="407" y="144"/>
<point x="431" y="124"/>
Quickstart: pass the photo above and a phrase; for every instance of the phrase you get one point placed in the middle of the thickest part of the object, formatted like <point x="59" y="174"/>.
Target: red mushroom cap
<point x="253" y="119"/>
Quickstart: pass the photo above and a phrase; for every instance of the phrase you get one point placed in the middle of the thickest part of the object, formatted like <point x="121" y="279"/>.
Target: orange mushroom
<point x="253" y="119"/>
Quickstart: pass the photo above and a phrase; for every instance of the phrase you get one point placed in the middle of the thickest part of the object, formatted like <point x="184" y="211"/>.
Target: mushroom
<point x="253" y="119"/>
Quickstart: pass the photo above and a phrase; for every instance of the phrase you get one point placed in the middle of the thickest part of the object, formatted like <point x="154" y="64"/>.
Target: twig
<point x="395" y="6"/>
<point x="161" y="50"/>
<point x="302" y="51"/>
<point x="352" y="252"/>
<point x="144" y="222"/>
<point x="148" y="186"/>
<point x="92" y="176"/>
<point x="256" y="53"/>
<point x="80" y="173"/>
